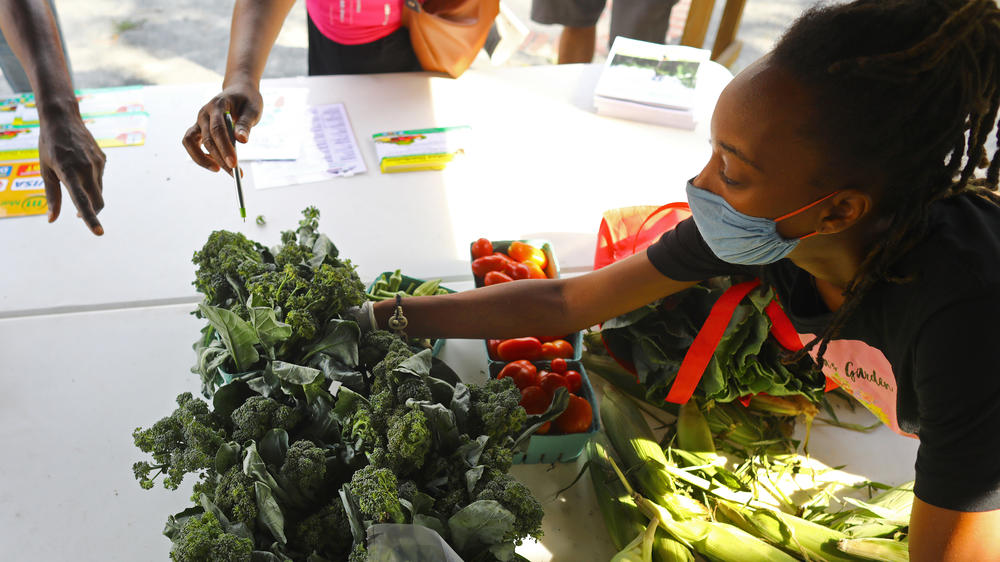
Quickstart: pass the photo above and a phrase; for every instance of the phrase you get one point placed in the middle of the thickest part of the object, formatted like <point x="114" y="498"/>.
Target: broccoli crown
<point x="185" y="441"/>
<point x="377" y="492"/>
<point x="408" y="489"/>
<point x="374" y="345"/>
<point x="382" y="372"/>
<point x="305" y="467"/>
<point x="226" y="256"/>
<point x="326" y="532"/>
<point x="202" y="539"/>
<point x="451" y="502"/>
<point x="409" y="440"/>
<point x="258" y="415"/>
<point x="516" y="498"/>
<point x="235" y="496"/>
<point x="358" y="554"/>
<point x="497" y="457"/>
<point x="414" y="388"/>
<point x="496" y="409"/>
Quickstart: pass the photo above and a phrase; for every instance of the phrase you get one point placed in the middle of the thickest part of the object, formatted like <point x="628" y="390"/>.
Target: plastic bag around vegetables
<point x="389" y="542"/>
<point x="629" y="230"/>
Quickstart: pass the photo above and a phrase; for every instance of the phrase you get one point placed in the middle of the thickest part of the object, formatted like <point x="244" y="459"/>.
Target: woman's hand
<point x="208" y="142"/>
<point x="68" y="154"/>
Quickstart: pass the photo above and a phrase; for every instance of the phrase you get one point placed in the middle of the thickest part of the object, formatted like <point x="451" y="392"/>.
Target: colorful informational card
<point x="22" y="191"/>
<point x="420" y="149"/>
<point x="115" y="116"/>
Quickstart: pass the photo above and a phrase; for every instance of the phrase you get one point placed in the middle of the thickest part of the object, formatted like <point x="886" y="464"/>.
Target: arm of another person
<point x="67" y="152"/>
<point x="541" y="307"/>
<point x="956" y="514"/>
<point x="945" y="535"/>
<point x="255" y="27"/>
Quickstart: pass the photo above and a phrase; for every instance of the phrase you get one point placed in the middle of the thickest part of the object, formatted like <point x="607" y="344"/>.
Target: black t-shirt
<point x="924" y="355"/>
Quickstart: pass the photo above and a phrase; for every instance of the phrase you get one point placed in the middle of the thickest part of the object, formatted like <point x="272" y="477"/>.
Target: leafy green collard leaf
<point x="348" y="402"/>
<point x="354" y="517"/>
<point x="442" y="423"/>
<point x="274" y="446"/>
<point x="264" y="556"/>
<point x="471" y="451"/>
<point x="321" y="248"/>
<point x="269" y="512"/>
<point x="255" y="467"/>
<point x="236" y="333"/>
<point x="176" y="521"/>
<point x="227" y="456"/>
<point x="270" y="331"/>
<point x="340" y="342"/>
<point x="433" y="523"/>
<point x="472" y="477"/>
<point x="503" y="552"/>
<point x="294" y="374"/>
<point x="418" y="364"/>
<point x="336" y="371"/>
<point x="211" y="358"/>
<point x="481" y="523"/>
<point x="460" y="402"/>
<point x="230" y="396"/>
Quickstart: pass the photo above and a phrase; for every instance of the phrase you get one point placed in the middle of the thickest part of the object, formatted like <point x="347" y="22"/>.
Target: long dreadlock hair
<point x="907" y="93"/>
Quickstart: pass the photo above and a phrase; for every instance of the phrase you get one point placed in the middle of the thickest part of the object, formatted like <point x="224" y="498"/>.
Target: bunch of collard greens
<point x="312" y="432"/>
<point x="748" y="360"/>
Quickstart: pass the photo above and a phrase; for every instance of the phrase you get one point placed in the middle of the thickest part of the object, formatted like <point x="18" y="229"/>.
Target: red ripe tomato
<point x="551" y="381"/>
<point x="519" y="348"/>
<point x="534" y="400"/>
<point x="574" y="381"/>
<point x="557" y="348"/>
<point x="517" y="271"/>
<point x="504" y="257"/>
<point x="558" y="365"/>
<point x="491" y="348"/>
<point x="481" y="248"/>
<point x="577" y="417"/>
<point x="544" y="428"/>
<point x="482" y="266"/>
<point x="495" y="277"/>
<point x="523" y="372"/>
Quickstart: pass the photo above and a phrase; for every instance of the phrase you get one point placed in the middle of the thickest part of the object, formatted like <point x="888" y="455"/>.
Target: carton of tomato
<point x="566" y="436"/>
<point x="511" y="260"/>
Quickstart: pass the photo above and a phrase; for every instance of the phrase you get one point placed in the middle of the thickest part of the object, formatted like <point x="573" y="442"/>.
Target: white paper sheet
<point x="279" y="134"/>
<point x="329" y="151"/>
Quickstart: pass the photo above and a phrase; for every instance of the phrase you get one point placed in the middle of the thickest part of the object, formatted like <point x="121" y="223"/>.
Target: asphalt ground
<point x="128" y="42"/>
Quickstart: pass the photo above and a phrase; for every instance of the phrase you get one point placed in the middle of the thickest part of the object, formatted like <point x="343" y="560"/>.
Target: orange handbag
<point x="448" y="34"/>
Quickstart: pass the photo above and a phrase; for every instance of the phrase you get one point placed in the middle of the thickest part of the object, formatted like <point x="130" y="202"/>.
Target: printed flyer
<point x="22" y="191"/>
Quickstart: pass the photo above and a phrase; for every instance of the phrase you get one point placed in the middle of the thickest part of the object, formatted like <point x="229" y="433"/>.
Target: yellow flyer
<point x="22" y="191"/>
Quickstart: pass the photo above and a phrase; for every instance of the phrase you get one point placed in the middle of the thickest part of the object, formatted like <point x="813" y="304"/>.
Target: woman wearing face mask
<point x="844" y="172"/>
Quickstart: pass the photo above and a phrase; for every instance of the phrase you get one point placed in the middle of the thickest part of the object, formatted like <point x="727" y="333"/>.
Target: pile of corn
<point x="673" y="504"/>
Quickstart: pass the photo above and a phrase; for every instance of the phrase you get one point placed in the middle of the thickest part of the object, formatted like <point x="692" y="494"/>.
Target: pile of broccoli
<point x="328" y="430"/>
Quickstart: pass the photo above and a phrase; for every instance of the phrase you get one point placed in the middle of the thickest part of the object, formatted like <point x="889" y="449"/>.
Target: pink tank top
<point x="353" y="22"/>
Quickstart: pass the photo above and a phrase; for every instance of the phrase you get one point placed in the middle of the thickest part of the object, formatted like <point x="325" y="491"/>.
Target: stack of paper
<point x="650" y="82"/>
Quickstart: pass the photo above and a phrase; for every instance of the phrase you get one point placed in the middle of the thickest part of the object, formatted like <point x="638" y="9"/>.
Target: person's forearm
<point x="507" y="310"/>
<point x="30" y="30"/>
<point x="255" y="27"/>
<point x="553" y="307"/>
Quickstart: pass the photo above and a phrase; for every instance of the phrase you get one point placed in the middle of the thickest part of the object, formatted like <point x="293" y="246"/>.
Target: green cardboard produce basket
<point x="408" y="284"/>
<point x="558" y="448"/>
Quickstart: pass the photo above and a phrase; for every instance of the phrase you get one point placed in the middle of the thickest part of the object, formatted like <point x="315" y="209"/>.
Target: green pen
<point x="236" y="169"/>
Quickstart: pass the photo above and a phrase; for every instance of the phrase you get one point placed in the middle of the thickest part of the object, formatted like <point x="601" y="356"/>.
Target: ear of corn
<point x="713" y="539"/>
<point x="884" y="550"/>
<point x="808" y="540"/>
<point x="623" y="518"/>
<point x="635" y="444"/>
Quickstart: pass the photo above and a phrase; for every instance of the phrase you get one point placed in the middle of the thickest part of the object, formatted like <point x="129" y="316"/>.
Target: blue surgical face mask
<point x="738" y="238"/>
